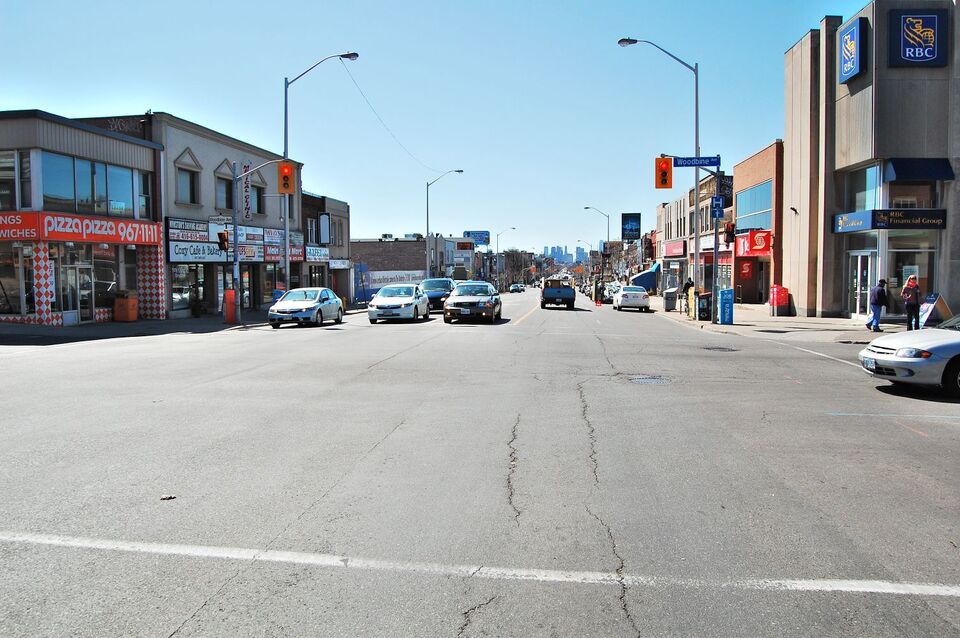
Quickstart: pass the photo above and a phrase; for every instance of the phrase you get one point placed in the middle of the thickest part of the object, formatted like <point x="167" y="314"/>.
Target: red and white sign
<point x="745" y="270"/>
<point x="18" y="226"/>
<point x="66" y="227"/>
<point x="676" y="248"/>
<point x="756" y="243"/>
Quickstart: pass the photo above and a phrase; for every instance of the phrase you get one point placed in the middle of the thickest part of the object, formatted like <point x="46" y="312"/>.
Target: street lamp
<point x="286" y="134"/>
<point x="606" y="246"/>
<point x="427" y="238"/>
<point x="695" y="69"/>
<point x="497" y="256"/>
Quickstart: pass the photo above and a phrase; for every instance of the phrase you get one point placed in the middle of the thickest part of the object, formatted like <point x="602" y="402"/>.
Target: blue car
<point x="437" y="291"/>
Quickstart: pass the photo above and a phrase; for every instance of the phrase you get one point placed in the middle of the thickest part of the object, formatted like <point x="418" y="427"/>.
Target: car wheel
<point x="447" y="320"/>
<point x="542" y="305"/>
<point x="274" y="325"/>
<point x="569" y="306"/>
<point x="493" y="318"/>
<point x="951" y="378"/>
<point x="318" y="318"/>
<point x="373" y="321"/>
<point x="339" y="318"/>
<point x="426" y="313"/>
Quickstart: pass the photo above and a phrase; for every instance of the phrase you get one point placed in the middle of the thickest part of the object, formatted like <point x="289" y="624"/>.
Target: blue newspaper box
<point x="726" y="306"/>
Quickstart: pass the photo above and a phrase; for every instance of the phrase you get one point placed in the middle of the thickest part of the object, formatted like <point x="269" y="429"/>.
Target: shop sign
<point x="379" y="278"/>
<point x="479" y="237"/>
<point x="194" y="252"/>
<point x="340" y="264"/>
<point x="918" y="37"/>
<point x="272" y="236"/>
<point x="251" y="252"/>
<point x="706" y="243"/>
<point x="296" y="253"/>
<point x="756" y="243"/>
<point x="630" y="226"/>
<point x="18" y="226"/>
<point x="745" y="271"/>
<point x="185" y="230"/>
<point x="891" y="219"/>
<point x="317" y="253"/>
<point x="851" y="47"/>
<point x="65" y="227"/>
<point x="675" y="248"/>
<point x="853" y="222"/>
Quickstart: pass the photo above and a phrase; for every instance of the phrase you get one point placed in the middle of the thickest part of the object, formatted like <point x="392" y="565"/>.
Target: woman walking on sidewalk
<point x="911" y="300"/>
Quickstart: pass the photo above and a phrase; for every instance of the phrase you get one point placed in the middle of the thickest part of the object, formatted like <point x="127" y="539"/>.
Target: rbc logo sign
<point x="850" y="47"/>
<point x="918" y="39"/>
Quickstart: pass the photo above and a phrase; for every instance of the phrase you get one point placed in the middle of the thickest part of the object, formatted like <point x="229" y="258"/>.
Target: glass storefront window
<point x="10" y="278"/>
<point x="863" y="189"/>
<point x="106" y="275"/>
<point x="904" y="263"/>
<point x="100" y="188"/>
<point x="913" y="195"/>
<point x="912" y="239"/>
<point x="84" y="172"/>
<point x="129" y="269"/>
<point x="58" y="187"/>
<point x="755" y="207"/>
<point x="182" y="280"/>
<point x="26" y="196"/>
<point x="8" y="180"/>
<point x="269" y="282"/>
<point x="120" y="191"/>
<point x="862" y="241"/>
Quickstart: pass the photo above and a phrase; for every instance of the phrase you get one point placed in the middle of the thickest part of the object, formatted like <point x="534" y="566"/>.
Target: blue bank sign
<point x="918" y="37"/>
<point x="479" y="237"/>
<point x="891" y="219"/>
<point x="852" y="50"/>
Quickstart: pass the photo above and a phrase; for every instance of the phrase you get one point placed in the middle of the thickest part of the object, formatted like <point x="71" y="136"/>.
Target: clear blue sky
<point x="534" y="100"/>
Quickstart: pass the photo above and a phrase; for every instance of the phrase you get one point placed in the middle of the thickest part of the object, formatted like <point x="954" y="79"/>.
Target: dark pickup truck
<point x="557" y="292"/>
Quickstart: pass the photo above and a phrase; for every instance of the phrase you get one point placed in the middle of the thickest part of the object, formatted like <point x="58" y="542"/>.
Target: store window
<point x="120" y="191"/>
<point x="911" y="252"/>
<point x="224" y="194"/>
<point x="85" y="186"/>
<point x="863" y="189"/>
<point x="129" y="268"/>
<point x="186" y="285"/>
<point x="913" y="195"/>
<point x="755" y="207"/>
<point x="187" y="191"/>
<point x="16" y="279"/>
<point x="106" y="275"/>
<point x="100" y="188"/>
<point x="58" y="183"/>
<point x="8" y="180"/>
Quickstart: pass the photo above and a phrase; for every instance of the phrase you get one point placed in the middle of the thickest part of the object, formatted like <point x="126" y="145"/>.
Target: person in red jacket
<point x="911" y="300"/>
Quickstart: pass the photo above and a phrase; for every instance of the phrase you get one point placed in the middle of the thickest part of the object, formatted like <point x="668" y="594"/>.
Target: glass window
<point x="863" y="189"/>
<point x="913" y="195"/>
<point x="755" y="207"/>
<point x="256" y="200"/>
<point x="26" y="195"/>
<point x="912" y="240"/>
<point x="311" y="230"/>
<point x="129" y="269"/>
<point x="862" y="241"/>
<point x="106" y="274"/>
<point x="100" y="188"/>
<point x="120" y="191"/>
<point x="225" y="193"/>
<point x="145" y="209"/>
<point x="8" y="180"/>
<point x="84" y="176"/>
<point x="186" y="186"/>
<point x="186" y="285"/>
<point x="58" y="189"/>
<point x="10" y="279"/>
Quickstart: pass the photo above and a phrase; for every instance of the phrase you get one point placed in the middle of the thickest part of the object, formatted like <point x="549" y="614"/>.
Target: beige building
<point x="872" y="143"/>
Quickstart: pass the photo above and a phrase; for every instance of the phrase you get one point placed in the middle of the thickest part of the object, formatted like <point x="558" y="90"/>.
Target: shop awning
<point x="915" y="169"/>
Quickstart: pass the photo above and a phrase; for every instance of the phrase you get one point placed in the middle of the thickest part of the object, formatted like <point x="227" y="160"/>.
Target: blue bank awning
<point x="916" y="169"/>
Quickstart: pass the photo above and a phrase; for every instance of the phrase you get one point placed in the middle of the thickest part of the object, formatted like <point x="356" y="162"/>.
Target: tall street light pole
<point x="427" y="237"/>
<point x="606" y="246"/>
<point x="695" y="69"/>
<point x="497" y="256"/>
<point x="286" y="155"/>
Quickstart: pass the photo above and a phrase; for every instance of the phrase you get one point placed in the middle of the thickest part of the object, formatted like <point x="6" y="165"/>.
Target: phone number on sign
<point x="84" y="228"/>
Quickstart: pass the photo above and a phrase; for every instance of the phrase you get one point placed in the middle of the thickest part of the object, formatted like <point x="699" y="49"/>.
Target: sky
<point x="533" y="100"/>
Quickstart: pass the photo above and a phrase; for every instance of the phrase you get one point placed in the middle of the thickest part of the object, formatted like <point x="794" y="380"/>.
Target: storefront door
<point x="76" y="291"/>
<point x="860" y="275"/>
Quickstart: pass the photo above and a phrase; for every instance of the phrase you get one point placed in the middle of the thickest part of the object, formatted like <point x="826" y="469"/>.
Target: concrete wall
<point x="836" y="132"/>
<point x="949" y="266"/>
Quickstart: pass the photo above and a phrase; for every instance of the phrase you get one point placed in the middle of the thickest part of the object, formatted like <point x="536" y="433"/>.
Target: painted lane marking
<point x="819" y="354"/>
<point x="333" y="561"/>
<point x="897" y="416"/>
<point x="532" y="310"/>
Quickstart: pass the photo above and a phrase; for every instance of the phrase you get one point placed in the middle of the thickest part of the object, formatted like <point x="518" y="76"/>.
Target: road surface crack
<point x="620" y="566"/>
<point x="605" y="355"/>
<point x="468" y="615"/>
<point x="511" y="469"/>
<point x="591" y="433"/>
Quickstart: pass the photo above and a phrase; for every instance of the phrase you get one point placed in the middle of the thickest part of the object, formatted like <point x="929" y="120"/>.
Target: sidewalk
<point x="754" y="320"/>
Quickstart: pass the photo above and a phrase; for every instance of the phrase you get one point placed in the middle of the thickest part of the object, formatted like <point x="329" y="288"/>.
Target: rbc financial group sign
<point x="918" y="37"/>
<point x="851" y="50"/>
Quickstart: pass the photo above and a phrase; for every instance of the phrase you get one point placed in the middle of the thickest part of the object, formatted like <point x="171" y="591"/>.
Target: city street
<point x="560" y="473"/>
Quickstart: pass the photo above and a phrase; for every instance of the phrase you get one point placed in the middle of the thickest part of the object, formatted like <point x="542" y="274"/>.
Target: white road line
<point x="900" y="416"/>
<point x="819" y="354"/>
<point x="333" y="561"/>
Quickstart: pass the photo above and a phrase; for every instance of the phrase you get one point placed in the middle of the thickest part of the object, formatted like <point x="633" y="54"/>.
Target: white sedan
<point x="399" y="301"/>
<point x="632" y="297"/>
<point x="928" y="357"/>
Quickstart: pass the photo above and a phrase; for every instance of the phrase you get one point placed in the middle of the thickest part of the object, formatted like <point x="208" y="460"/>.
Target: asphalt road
<point x="561" y="473"/>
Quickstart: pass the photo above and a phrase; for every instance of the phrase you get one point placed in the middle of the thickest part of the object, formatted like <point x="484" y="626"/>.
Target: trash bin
<point x="125" y="306"/>
<point x="725" y="306"/>
<point x="230" y="305"/>
<point x="670" y="299"/>
<point x="704" y="306"/>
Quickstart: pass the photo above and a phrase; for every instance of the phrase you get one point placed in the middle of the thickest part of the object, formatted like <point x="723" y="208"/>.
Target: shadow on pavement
<point x="921" y="393"/>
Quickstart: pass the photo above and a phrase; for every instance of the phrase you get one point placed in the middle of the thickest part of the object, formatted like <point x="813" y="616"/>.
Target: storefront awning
<point x="915" y="169"/>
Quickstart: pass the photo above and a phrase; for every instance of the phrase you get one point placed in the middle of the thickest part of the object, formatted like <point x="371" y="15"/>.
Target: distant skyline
<point x="535" y="102"/>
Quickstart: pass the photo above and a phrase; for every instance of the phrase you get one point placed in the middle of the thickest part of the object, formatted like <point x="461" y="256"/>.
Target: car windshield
<point x="431" y="285"/>
<point x="634" y="289"/>
<point x="951" y="324"/>
<point x="300" y="295"/>
<point x="399" y="291"/>
<point x="472" y="290"/>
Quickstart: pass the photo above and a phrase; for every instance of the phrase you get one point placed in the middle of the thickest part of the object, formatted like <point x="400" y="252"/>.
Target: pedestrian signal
<point x="664" y="172"/>
<point x="223" y="240"/>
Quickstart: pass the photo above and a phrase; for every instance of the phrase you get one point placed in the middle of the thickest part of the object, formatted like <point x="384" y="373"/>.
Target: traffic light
<point x="286" y="178"/>
<point x="729" y="232"/>
<point x="664" y="172"/>
<point x="223" y="240"/>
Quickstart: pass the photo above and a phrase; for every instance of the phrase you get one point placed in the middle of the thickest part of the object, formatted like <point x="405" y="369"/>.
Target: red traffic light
<point x="664" y="165"/>
<point x="285" y="169"/>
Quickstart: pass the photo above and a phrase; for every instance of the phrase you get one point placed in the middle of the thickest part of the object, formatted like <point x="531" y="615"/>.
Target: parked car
<point x="632" y="297"/>
<point x="306" y="305"/>
<point x="516" y="288"/>
<point x="399" y="301"/>
<point x="437" y="291"/>
<point x="557" y="292"/>
<point x="473" y="300"/>
<point x="929" y="357"/>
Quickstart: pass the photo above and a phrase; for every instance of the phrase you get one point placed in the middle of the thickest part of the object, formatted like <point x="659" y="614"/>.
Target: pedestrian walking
<point x="687" y="285"/>
<point x="911" y="300"/>
<point x="878" y="301"/>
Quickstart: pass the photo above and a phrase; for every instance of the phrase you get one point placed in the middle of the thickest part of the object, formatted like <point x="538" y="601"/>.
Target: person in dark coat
<point x="878" y="301"/>
<point x="911" y="301"/>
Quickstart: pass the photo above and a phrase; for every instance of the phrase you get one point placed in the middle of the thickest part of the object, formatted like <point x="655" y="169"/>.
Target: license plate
<point x="870" y="364"/>
<point x="464" y="311"/>
<point x="388" y="313"/>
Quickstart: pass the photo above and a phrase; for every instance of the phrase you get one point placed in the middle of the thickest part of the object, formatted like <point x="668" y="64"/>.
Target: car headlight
<point x="406" y="305"/>
<point x="372" y="305"/>
<point x="486" y="304"/>
<point x="913" y="353"/>
<point x="443" y="298"/>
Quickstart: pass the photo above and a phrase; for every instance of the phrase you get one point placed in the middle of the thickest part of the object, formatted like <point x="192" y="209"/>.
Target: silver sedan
<point x="928" y="357"/>
<point x="399" y="301"/>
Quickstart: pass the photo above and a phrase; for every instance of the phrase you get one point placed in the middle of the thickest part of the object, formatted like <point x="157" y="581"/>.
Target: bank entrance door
<point x="861" y="271"/>
<point x="76" y="293"/>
